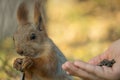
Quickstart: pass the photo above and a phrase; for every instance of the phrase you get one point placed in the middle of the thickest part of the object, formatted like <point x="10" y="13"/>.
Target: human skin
<point x="91" y="70"/>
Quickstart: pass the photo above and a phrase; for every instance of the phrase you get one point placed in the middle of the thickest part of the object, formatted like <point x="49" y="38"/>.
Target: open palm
<point x="90" y="71"/>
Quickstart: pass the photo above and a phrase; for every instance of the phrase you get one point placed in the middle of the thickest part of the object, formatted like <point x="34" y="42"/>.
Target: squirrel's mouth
<point x="34" y="55"/>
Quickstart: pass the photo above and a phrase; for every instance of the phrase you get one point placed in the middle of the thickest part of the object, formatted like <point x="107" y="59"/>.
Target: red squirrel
<point x="42" y="59"/>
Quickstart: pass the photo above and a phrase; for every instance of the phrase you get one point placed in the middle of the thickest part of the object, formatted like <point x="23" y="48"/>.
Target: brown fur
<point x="36" y="13"/>
<point x="43" y="59"/>
<point x="22" y="14"/>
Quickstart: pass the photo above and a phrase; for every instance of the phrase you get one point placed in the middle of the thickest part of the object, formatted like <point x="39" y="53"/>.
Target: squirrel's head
<point x="30" y="35"/>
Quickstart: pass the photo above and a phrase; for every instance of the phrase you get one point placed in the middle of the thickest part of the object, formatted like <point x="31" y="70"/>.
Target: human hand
<point x="91" y="70"/>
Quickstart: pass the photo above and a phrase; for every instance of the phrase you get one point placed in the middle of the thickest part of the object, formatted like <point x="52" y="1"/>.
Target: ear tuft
<point x="22" y="14"/>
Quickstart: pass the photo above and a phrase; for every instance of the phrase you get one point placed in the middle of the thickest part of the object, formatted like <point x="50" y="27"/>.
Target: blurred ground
<point x="82" y="29"/>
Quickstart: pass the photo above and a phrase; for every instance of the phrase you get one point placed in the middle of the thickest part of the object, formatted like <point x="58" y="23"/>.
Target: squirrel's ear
<point x="38" y="20"/>
<point x="36" y="13"/>
<point x="22" y="14"/>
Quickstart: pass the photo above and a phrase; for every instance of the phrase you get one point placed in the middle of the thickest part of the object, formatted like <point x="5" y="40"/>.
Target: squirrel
<point x="42" y="59"/>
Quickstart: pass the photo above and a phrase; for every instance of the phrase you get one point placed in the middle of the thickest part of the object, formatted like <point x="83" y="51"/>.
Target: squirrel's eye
<point x="33" y="36"/>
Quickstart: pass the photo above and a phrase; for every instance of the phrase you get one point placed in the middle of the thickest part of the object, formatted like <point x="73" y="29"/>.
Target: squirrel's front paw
<point x="22" y="64"/>
<point x="27" y="63"/>
<point x="18" y="64"/>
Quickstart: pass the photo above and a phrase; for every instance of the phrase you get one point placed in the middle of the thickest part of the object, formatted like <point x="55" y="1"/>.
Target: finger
<point x="102" y="72"/>
<point x="73" y="70"/>
<point x="67" y="65"/>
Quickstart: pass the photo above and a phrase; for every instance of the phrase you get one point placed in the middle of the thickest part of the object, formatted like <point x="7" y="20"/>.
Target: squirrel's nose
<point x="20" y="52"/>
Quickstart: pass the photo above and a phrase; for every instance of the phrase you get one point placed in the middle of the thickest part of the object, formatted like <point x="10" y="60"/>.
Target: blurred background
<point x="81" y="29"/>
